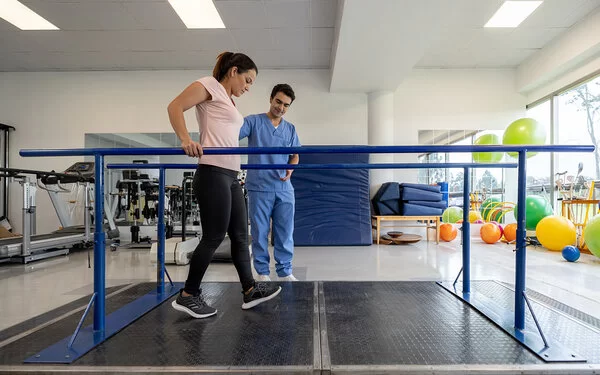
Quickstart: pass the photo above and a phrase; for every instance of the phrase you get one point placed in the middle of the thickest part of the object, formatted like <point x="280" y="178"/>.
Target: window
<point x="434" y="175"/>
<point x="456" y="175"/>
<point x="578" y="118"/>
<point x="489" y="182"/>
<point x="539" y="179"/>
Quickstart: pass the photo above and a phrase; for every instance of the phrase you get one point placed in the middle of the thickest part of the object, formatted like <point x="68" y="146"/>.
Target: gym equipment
<point x="555" y="232"/>
<point x="394" y="234"/>
<point x="452" y="214"/>
<point x="421" y="200"/>
<point x="490" y="233"/>
<point x="139" y="192"/>
<point x="332" y="207"/>
<point x="510" y="232"/>
<point x="536" y="208"/>
<point x="571" y="253"/>
<point x="499" y="227"/>
<point x="487" y="157"/>
<point x="4" y="152"/>
<point x="178" y="250"/>
<point x="407" y="239"/>
<point x="591" y="235"/>
<point x="448" y="232"/>
<point x="524" y="131"/>
<point x="387" y="199"/>
<point x="474" y="216"/>
<point x="90" y="337"/>
<point x="487" y="206"/>
<point x="189" y="213"/>
<point x="31" y="246"/>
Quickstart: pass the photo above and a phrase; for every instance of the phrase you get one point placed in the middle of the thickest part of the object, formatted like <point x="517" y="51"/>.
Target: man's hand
<point x="288" y="175"/>
<point x="192" y="149"/>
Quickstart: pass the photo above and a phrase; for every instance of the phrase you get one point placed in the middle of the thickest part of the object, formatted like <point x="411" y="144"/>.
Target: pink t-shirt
<point x="220" y="124"/>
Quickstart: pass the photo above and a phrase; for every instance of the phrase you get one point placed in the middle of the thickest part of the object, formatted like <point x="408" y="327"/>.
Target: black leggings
<point x="222" y="210"/>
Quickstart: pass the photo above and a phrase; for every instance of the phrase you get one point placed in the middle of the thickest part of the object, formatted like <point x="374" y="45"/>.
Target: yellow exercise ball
<point x="474" y="216"/>
<point x="555" y="232"/>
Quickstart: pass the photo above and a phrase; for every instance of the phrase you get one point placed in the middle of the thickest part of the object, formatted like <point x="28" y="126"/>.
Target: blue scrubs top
<point x="261" y="133"/>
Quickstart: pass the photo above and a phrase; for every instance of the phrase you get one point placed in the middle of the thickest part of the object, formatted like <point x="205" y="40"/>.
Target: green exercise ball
<point x="591" y="235"/>
<point x="524" y="131"/>
<point x="536" y="208"/>
<point x="488" y="206"/>
<point x="487" y="157"/>
<point x="452" y="215"/>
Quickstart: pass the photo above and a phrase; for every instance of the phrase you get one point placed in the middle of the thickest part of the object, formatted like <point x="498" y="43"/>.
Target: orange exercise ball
<point x="448" y="232"/>
<point x="490" y="233"/>
<point x="510" y="232"/>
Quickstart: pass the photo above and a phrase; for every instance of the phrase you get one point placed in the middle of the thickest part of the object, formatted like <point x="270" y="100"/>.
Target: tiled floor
<point x="29" y="290"/>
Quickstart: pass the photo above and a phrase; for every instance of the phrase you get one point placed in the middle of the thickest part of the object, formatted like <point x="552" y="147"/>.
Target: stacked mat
<point x="421" y="200"/>
<point x="407" y="199"/>
<point x="387" y="199"/>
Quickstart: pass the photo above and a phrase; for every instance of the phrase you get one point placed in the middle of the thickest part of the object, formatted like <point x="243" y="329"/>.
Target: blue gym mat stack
<point x="408" y="199"/>
<point x="421" y="200"/>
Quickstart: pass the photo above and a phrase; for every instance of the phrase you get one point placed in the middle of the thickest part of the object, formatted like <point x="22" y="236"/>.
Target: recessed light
<point x="23" y="17"/>
<point x="512" y="13"/>
<point x="198" y="14"/>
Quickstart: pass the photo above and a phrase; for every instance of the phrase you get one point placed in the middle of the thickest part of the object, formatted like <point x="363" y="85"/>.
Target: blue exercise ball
<point x="570" y="253"/>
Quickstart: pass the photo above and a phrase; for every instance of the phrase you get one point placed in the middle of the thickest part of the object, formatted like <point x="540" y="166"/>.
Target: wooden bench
<point x="430" y="222"/>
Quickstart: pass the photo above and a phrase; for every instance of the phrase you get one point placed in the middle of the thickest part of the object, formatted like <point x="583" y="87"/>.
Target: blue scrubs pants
<point x="278" y="207"/>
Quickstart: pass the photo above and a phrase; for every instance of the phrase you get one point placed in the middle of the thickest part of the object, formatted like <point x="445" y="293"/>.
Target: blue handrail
<point x="521" y="150"/>
<point x="322" y="166"/>
<point x="405" y="149"/>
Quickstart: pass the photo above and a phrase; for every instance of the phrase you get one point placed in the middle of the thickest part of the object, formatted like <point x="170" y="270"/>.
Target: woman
<point x="217" y="190"/>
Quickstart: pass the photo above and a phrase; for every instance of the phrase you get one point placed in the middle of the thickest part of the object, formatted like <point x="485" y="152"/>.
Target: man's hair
<point x="285" y="89"/>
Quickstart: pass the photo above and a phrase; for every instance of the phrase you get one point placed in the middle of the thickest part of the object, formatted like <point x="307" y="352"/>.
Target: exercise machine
<point x="31" y="246"/>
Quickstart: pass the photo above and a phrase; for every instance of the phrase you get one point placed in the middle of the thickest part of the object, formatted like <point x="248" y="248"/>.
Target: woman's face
<point x="241" y="82"/>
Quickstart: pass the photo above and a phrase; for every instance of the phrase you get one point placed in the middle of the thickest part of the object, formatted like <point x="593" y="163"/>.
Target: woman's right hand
<point x="192" y="149"/>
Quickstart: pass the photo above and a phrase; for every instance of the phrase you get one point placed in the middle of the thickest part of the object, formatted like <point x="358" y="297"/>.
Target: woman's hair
<point x="227" y="60"/>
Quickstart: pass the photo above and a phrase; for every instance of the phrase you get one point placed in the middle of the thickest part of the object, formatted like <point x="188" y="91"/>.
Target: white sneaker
<point x="263" y="278"/>
<point x="289" y="277"/>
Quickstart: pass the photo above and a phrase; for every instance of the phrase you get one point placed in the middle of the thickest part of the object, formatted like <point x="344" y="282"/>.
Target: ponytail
<point x="222" y="60"/>
<point x="228" y="60"/>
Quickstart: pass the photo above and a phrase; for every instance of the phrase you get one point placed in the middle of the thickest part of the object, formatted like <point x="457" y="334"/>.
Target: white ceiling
<point x="464" y="43"/>
<point x="394" y="36"/>
<point x="147" y="34"/>
<point x="368" y="44"/>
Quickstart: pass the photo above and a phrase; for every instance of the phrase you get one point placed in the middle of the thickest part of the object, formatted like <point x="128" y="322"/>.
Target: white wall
<point x="55" y="110"/>
<point x="453" y="99"/>
<point x="570" y="57"/>
<point x="592" y="67"/>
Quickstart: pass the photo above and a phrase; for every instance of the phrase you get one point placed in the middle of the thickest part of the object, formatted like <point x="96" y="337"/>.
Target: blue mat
<point x="441" y="204"/>
<point x="417" y="210"/>
<point x="332" y="206"/>
<point x="387" y="199"/>
<point x="432" y="188"/>
<point x="413" y="194"/>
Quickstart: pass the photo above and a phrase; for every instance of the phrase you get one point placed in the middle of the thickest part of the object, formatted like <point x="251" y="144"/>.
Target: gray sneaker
<point x="262" y="292"/>
<point x="194" y="305"/>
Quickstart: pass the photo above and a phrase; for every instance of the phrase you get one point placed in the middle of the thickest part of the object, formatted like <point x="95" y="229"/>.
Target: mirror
<point x="129" y="140"/>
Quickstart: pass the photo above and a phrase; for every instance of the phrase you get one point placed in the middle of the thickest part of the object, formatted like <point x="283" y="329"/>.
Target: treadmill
<point x="31" y="246"/>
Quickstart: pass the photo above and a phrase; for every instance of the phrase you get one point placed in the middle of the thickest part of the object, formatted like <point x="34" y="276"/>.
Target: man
<point x="270" y="192"/>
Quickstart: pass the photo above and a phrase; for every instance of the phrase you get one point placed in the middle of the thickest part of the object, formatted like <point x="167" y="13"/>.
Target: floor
<point x="30" y="290"/>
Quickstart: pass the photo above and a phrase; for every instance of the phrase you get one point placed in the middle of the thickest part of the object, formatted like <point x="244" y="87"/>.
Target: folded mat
<point x="417" y="210"/>
<point x="412" y="194"/>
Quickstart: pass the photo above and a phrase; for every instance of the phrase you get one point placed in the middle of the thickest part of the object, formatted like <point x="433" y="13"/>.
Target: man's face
<point x="280" y="104"/>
